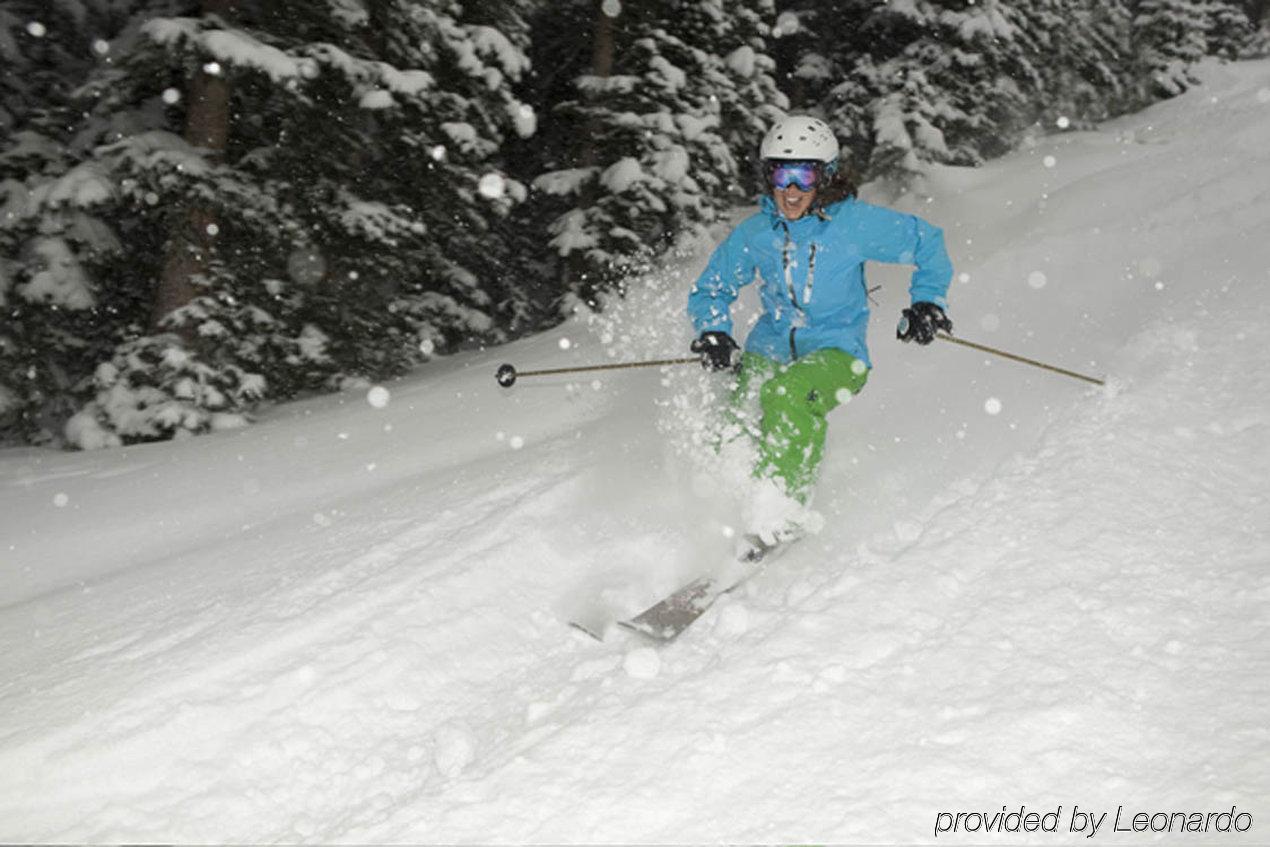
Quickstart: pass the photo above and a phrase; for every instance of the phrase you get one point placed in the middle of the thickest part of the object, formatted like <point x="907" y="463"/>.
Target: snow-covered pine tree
<point x="58" y="237"/>
<point x="906" y="82"/>
<point x="348" y="218"/>
<point x="944" y="81"/>
<point x="1080" y="49"/>
<point x="673" y="87"/>
<point x="1168" y="37"/>
<point x="1258" y="14"/>
<point x="806" y="38"/>
<point x="1230" y="32"/>
<point x="741" y="31"/>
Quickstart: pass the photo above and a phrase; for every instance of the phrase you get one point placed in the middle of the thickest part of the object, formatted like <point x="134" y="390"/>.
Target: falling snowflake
<point x="858" y="367"/>
<point x="437" y="153"/>
<point x="378" y="397"/>
<point x="61" y="499"/>
<point x="101" y="47"/>
<point x="152" y="198"/>
<point x="963" y="277"/>
<point x="1049" y="161"/>
<point x="992" y="406"/>
<point x="306" y="266"/>
<point x="611" y="8"/>
<point x="171" y="96"/>
<point x="565" y="344"/>
<point x="1037" y="279"/>
<point x="1263" y="96"/>
<point x="427" y="346"/>
<point x="213" y="230"/>
<point x="36" y="29"/>
<point x="516" y="442"/>
<point x="1063" y="122"/>
<point x="212" y="68"/>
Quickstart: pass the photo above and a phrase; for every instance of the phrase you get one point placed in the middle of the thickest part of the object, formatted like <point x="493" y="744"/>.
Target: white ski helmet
<point x="801" y="138"/>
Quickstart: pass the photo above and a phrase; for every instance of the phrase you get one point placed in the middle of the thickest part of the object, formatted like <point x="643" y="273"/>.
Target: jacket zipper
<point x="789" y="270"/>
<point x="789" y="285"/>
<point x="811" y="275"/>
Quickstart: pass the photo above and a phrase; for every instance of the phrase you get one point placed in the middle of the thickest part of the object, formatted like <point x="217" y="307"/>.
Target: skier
<point x="806" y="248"/>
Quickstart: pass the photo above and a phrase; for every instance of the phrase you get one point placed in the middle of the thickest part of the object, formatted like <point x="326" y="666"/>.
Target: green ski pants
<point x="793" y="401"/>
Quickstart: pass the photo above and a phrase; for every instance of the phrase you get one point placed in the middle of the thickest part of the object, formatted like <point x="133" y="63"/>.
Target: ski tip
<point x="595" y="632"/>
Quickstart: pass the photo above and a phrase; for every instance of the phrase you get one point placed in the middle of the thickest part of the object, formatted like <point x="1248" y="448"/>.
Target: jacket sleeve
<point x="890" y="236"/>
<point x="731" y="268"/>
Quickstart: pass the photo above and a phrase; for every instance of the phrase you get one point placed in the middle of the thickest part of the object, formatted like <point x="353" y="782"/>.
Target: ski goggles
<point x="806" y="175"/>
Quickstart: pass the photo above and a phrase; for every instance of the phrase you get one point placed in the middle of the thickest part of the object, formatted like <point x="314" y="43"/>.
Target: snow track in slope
<point x="1017" y="647"/>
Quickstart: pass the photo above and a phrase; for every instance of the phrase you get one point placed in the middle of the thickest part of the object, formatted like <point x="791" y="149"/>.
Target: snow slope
<point x="346" y="623"/>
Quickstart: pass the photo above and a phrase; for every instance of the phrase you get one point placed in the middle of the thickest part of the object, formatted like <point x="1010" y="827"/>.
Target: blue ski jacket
<point x="811" y="275"/>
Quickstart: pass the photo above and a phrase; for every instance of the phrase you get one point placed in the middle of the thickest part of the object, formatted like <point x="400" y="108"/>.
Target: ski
<point x="666" y="619"/>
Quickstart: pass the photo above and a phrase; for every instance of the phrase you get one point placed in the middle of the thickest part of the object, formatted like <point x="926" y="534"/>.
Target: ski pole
<point x="1033" y="362"/>
<point x="507" y="374"/>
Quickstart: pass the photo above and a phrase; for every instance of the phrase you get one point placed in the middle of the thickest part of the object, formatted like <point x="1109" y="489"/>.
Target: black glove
<point x="920" y="322"/>
<point x="716" y="350"/>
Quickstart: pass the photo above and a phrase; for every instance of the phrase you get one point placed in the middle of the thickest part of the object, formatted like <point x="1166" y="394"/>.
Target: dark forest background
<point x="208" y="204"/>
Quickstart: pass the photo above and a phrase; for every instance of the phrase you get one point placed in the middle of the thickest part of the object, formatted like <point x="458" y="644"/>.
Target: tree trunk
<point x="193" y="240"/>
<point x="602" y="47"/>
<point x="603" y="51"/>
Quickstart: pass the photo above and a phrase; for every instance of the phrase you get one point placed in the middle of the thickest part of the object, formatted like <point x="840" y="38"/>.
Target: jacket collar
<point x="767" y="205"/>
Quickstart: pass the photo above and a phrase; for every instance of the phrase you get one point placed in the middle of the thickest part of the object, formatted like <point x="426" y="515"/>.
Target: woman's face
<point x="793" y="201"/>
<point x="794" y="186"/>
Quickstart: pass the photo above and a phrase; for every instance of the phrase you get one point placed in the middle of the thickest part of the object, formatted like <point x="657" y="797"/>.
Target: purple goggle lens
<point x="806" y="175"/>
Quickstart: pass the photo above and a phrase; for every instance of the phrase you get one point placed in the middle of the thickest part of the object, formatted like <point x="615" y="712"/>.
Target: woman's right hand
<point x="716" y="349"/>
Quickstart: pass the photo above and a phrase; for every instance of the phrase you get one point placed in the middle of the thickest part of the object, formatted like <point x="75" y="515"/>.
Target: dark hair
<point x="843" y="183"/>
